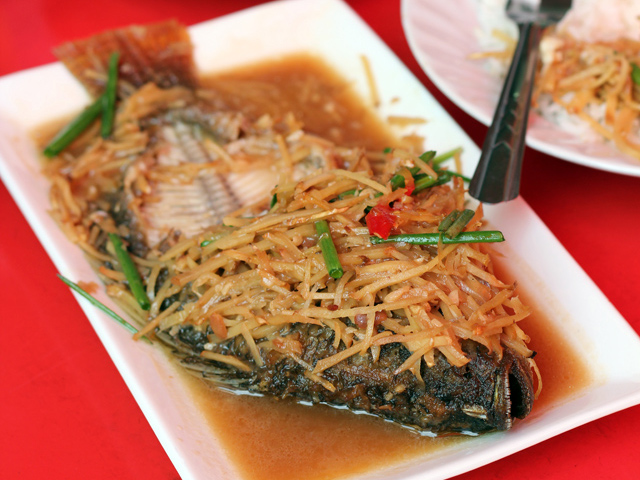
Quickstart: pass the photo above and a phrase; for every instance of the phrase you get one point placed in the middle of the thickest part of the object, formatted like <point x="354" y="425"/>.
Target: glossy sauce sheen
<point x="315" y="94"/>
<point x="267" y="438"/>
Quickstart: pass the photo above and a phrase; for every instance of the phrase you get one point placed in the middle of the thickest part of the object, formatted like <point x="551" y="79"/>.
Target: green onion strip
<point x="109" y="97"/>
<point x="635" y="73"/>
<point x="104" y="104"/>
<point x="130" y="272"/>
<point x="448" y="221"/>
<point x="101" y="306"/>
<point x="488" y="236"/>
<point x="461" y="221"/>
<point x="329" y="253"/>
<point x="435" y="161"/>
<point x="78" y="125"/>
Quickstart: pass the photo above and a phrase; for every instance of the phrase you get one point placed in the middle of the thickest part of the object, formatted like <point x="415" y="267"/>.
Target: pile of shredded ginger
<point x="256" y="275"/>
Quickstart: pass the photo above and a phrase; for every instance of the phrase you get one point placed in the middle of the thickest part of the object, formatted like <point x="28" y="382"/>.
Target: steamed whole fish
<point x="422" y="335"/>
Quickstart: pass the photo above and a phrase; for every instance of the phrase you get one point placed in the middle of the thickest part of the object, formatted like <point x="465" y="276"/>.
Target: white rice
<point x="491" y="17"/>
<point x="572" y="124"/>
<point x="602" y="20"/>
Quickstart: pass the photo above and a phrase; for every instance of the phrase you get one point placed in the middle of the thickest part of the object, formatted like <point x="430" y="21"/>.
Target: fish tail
<point x="161" y="53"/>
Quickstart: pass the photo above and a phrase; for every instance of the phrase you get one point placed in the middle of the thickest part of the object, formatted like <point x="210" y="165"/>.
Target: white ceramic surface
<point x="442" y="35"/>
<point x="36" y="96"/>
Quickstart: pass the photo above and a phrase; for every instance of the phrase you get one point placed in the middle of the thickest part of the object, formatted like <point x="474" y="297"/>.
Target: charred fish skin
<point x="472" y="399"/>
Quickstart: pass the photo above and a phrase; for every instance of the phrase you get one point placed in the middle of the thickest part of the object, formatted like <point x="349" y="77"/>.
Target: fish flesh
<point x="220" y="212"/>
<point x="181" y="158"/>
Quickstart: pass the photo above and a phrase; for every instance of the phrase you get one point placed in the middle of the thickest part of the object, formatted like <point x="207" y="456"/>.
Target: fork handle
<point x="497" y="176"/>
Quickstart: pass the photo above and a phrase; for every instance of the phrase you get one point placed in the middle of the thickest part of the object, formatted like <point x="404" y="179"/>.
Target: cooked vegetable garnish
<point x="488" y="236"/>
<point x="422" y="180"/>
<point x="96" y="303"/>
<point x="329" y="253"/>
<point x="435" y="161"/>
<point x="428" y="156"/>
<point x="426" y="181"/>
<point x="398" y="180"/>
<point x="109" y="97"/>
<point x="78" y="125"/>
<point x="348" y="193"/>
<point x="131" y="272"/>
<point x="380" y="220"/>
<point x="448" y="221"/>
<point x="455" y="174"/>
<point x="459" y="223"/>
<point x="635" y="73"/>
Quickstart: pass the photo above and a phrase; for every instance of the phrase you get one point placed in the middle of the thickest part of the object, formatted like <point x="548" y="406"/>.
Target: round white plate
<point x="442" y="35"/>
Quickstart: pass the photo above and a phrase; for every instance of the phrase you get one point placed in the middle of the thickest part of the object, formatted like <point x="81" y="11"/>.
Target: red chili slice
<point x="381" y="220"/>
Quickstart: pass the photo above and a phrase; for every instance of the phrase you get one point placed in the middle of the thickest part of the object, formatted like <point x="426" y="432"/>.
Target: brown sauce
<point x="564" y="370"/>
<point x="274" y="439"/>
<point x="314" y="93"/>
<point x="266" y="438"/>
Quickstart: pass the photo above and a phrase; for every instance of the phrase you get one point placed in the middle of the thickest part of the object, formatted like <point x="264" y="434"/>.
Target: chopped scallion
<point x="73" y="130"/>
<point x="459" y="223"/>
<point x="489" y="236"/>
<point x="101" y="306"/>
<point x="448" y="221"/>
<point x="635" y="73"/>
<point x="445" y="156"/>
<point x="109" y="97"/>
<point x="427" y="181"/>
<point x="348" y="193"/>
<point x="455" y="174"/>
<point x="428" y="156"/>
<point x="329" y="253"/>
<point x="398" y="181"/>
<point x="130" y="272"/>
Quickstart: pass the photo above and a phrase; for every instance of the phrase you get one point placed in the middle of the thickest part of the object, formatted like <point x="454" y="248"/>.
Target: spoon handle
<point x="497" y="176"/>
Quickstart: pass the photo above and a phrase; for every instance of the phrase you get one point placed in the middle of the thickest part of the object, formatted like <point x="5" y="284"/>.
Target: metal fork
<point x="497" y="176"/>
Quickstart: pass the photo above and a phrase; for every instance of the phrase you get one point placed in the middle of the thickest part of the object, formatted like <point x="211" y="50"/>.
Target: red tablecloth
<point x="66" y="413"/>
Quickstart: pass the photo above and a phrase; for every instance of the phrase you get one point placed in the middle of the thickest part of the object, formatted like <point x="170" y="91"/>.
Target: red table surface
<point x="66" y="412"/>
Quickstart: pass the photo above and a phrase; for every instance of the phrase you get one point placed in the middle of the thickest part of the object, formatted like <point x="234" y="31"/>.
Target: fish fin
<point x="218" y="374"/>
<point x="522" y="393"/>
<point x="514" y="390"/>
<point x="161" y="53"/>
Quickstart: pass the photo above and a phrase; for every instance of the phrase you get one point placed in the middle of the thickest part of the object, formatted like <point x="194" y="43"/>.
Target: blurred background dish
<point x="444" y="35"/>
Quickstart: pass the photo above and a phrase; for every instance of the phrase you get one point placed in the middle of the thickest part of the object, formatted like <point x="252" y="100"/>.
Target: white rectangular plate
<point x="331" y="30"/>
